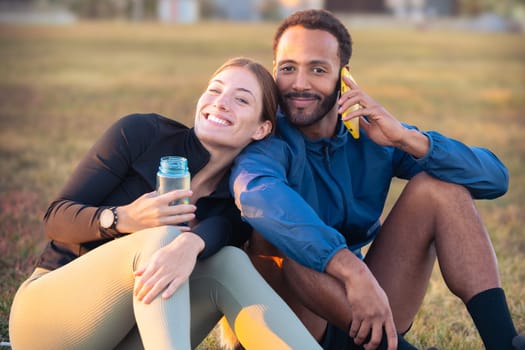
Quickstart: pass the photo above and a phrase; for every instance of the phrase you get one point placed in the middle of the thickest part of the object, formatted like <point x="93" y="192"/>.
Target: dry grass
<point x="60" y="87"/>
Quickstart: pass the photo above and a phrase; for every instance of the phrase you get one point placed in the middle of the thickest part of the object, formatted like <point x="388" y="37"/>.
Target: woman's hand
<point x="168" y="268"/>
<point x="152" y="210"/>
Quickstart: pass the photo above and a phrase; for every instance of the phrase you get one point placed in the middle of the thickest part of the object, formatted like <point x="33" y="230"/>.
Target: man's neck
<point x="325" y="127"/>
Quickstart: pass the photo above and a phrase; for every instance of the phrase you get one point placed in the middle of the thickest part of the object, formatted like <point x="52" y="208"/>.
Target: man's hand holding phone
<point x="353" y="124"/>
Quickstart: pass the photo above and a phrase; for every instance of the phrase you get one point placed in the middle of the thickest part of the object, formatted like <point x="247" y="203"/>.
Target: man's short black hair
<point x="322" y="20"/>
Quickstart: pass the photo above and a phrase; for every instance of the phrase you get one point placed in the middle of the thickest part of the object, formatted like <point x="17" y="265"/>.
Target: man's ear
<point x="274" y="69"/>
<point x="264" y="129"/>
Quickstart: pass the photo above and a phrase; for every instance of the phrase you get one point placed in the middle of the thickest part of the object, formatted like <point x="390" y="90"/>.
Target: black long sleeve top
<point x="120" y="167"/>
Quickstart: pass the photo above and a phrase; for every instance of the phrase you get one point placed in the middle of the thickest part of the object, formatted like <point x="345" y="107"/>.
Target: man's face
<point x="306" y="70"/>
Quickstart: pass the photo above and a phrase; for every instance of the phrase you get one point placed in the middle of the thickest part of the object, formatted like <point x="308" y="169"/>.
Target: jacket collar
<point x="289" y="132"/>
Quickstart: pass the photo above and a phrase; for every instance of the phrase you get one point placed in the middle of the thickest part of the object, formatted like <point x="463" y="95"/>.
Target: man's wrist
<point x="415" y="143"/>
<point x="343" y="265"/>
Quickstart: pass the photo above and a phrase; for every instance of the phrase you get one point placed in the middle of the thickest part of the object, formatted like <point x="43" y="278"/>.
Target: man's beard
<point x="299" y="117"/>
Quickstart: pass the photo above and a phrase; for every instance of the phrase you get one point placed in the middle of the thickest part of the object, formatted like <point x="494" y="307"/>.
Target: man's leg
<point x="270" y="262"/>
<point x="430" y="216"/>
<point x="434" y="218"/>
<point x="315" y="297"/>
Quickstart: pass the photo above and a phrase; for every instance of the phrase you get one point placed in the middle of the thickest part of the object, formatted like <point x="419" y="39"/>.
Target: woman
<point x="119" y="256"/>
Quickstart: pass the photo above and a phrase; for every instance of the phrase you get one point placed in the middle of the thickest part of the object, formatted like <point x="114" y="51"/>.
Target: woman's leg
<point x="227" y="283"/>
<point x="88" y="303"/>
<point x="164" y="324"/>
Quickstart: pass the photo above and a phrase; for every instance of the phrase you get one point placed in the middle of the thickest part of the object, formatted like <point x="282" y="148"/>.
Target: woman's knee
<point x="158" y="236"/>
<point x="228" y="264"/>
<point x="148" y="241"/>
<point x="230" y="256"/>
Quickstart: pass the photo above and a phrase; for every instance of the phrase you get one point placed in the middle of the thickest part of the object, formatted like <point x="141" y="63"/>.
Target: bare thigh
<point x="431" y="219"/>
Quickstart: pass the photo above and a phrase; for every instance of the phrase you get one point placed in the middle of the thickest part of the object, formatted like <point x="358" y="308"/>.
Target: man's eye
<point x="286" y="69"/>
<point x="319" y="70"/>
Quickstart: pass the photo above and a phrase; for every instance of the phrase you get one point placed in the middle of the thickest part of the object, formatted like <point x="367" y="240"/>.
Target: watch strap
<point x="115" y="218"/>
<point x="111" y="232"/>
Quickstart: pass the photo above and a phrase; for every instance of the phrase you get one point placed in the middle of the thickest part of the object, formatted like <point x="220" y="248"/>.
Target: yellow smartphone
<point x="353" y="124"/>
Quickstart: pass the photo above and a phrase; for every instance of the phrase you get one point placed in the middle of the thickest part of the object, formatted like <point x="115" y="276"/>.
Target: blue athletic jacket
<point x="312" y="198"/>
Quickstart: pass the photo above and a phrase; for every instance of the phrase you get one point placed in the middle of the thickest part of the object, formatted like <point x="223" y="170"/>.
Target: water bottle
<point x="173" y="174"/>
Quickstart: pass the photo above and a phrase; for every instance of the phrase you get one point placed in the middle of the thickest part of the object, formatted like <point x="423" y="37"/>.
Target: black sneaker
<point x="518" y="342"/>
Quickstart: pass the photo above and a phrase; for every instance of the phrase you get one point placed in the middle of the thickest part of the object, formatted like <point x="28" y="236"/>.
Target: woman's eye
<point x="242" y="100"/>
<point x="214" y="89"/>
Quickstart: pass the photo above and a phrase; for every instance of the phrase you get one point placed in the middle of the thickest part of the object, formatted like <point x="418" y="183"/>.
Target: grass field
<point x="60" y="87"/>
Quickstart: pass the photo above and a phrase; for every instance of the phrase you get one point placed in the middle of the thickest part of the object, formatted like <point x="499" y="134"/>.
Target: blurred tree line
<point x="502" y="7"/>
<point x="103" y="9"/>
<point x="147" y="9"/>
<point x="128" y="9"/>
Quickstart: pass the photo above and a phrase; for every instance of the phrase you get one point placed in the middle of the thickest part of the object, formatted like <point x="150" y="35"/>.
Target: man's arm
<point x="369" y="303"/>
<point x="284" y="218"/>
<point x="277" y="211"/>
<point x="478" y="169"/>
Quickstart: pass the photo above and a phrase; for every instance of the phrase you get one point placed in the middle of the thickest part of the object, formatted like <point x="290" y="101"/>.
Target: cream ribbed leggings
<point x="89" y="303"/>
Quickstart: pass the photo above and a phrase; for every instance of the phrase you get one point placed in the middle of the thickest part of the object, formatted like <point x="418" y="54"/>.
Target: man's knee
<point x="259" y="246"/>
<point x="274" y="265"/>
<point x="435" y="191"/>
<point x="266" y="258"/>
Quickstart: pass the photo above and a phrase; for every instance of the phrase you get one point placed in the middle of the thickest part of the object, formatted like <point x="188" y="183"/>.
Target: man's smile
<point x="301" y="100"/>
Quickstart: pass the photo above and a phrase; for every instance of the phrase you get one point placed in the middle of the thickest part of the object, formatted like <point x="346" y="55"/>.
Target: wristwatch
<point x="109" y="218"/>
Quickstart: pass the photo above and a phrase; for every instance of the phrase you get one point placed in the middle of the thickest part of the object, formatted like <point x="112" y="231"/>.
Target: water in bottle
<point x="173" y="174"/>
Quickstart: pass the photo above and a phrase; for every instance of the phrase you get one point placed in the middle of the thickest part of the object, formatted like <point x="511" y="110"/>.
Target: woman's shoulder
<point x="146" y="126"/>
<point x="150" y="119"/>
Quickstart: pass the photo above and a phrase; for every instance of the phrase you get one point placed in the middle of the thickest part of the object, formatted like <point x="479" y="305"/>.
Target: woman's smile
<point x="218" y="120"/>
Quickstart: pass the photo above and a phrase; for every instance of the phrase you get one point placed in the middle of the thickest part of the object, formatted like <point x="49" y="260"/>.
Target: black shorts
<point x="337" y="339"/>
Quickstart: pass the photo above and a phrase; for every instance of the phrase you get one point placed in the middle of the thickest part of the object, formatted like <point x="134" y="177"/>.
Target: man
<point x="316" y="194"/>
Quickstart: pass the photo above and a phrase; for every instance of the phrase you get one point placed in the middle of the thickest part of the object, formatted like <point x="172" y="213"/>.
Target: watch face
<point x="106" y="218"/>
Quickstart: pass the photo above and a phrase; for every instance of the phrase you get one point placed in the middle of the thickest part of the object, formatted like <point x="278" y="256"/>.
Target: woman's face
<point x="229" y="111"/>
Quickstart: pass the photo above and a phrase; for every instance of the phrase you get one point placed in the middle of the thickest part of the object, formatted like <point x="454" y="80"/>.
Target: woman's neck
<point x="206" y="180"/>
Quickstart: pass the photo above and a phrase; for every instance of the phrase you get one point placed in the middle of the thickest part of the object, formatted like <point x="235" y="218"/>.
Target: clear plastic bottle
<point x="173" y="174"/>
